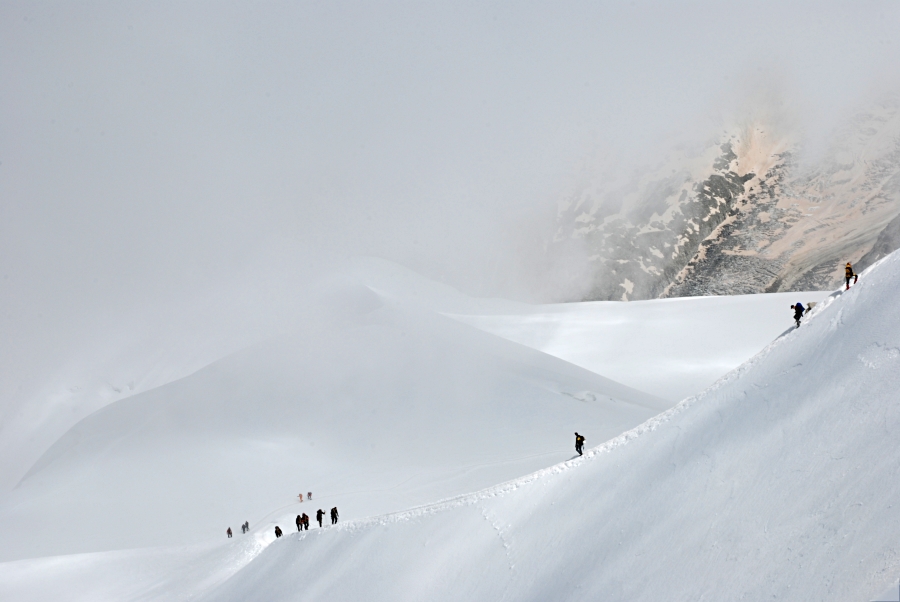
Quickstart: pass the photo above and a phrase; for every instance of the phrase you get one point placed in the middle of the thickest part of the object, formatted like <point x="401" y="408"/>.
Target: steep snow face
<point x="779" y="482"/>
<point x="389" y="407"/>
<point x="741" y="217"/>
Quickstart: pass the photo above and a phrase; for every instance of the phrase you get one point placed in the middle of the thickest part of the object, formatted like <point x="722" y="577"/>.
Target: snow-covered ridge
<point x="451" y="410"/>
<point x="387" y="405"/>
<point x="776" y="482"/>
<point x="608" y="446"/>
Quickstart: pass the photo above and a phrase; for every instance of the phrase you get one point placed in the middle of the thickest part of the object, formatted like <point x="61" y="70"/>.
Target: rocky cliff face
<point x="742" y="217"/>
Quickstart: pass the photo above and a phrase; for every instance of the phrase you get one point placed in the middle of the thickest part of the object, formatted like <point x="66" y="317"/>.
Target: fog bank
<point x="184" y="173"/>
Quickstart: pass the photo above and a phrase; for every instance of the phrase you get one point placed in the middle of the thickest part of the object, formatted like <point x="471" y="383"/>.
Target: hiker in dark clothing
<point x="848" y="274"/>
<point x="579" y="443"/>
<point x="798" y="313"/>
<point x="334" y="515"/>
<point x="228" y="531"/>
<point x="246" y="526"/>
<point x="305" y="522"/>
<point x="319" y="515"/>
<point x="309" y="495"/>
<point x="299" y="523"/>
<point x="277" y="531"/>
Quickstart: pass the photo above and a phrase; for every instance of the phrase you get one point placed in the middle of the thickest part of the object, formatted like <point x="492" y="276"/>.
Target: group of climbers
<point x="849" y="275"/>
<point x="302" y="522"/>
<point x="244" y="528"/>
<point x="303" y="519"/>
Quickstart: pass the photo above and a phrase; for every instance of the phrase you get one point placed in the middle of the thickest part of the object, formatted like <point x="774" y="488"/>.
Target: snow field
<point x="385" y="405"/>
<point x="391" y="408"/>
<point x="778" y="482"/>
<point x="672" y="348"/>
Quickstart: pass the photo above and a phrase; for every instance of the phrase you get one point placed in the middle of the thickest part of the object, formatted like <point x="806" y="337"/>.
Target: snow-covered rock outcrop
<point x="740" y="216"/>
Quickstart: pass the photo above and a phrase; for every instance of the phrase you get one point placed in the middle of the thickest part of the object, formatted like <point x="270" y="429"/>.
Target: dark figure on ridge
<point x="277" y="531"/>
<point x="246" y="526"/>
<point x="305" y="522"/>
<point x="798" y="313"/>
<point x="319" y="515"/>
<point x="299" y="523"/>
<point x="228" y="532"/>
<point x="334" y="515"/>
<point x="848" y="274"/>
<point x="579" y="443"/>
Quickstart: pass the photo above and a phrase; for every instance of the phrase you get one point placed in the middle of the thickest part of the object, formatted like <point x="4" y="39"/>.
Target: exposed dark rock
<point x="887" y="242"/>
<point x="711" y="231"/>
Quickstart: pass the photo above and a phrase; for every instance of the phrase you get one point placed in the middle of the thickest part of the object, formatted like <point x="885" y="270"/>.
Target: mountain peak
<point x="743" y="215"/>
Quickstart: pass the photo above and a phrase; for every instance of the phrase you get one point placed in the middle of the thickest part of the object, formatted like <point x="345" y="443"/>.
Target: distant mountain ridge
<point x="741" y="217"/>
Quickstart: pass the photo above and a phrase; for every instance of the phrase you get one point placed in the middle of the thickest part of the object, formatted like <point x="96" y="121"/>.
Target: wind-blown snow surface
<point x="672" y="348"/>
<point x="779" y="482"/>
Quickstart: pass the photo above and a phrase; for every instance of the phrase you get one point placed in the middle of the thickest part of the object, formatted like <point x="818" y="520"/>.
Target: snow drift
<point x="778" y="482"/>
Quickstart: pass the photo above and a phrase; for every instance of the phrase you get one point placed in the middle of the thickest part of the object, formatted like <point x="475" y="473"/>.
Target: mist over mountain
<point x="175" y="179"/>
<point x="743" y="213"/>
<point x="250" y="250"/>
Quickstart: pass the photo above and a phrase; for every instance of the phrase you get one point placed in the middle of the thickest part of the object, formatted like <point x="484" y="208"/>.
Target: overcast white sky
<point x="153" y="153"/>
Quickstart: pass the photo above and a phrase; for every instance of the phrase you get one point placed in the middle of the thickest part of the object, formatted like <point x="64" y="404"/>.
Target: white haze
<point x="178" y="175"/>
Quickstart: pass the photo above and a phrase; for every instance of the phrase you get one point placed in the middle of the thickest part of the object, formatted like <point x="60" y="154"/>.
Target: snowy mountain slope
<point x="147" y="346"/>
<point x="391" y="407"/>
<point x="672" y="348"/>
<point x="179" y="463"/>
<point x="101" y="375"/>
<point x="778" y="482"/>
<point x="166" y="573"/>
<point x="634" y="342"/>
<point x="741" y="215"/>
<point x="116" y="575"/>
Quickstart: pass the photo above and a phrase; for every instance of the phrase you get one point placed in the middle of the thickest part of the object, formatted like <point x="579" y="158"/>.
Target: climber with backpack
<point x="798" y="312"/>
<point x="848" y="274"/>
